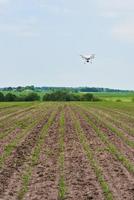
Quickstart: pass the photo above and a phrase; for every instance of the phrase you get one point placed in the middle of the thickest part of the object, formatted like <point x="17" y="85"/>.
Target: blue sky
<point x="40" y="43"/>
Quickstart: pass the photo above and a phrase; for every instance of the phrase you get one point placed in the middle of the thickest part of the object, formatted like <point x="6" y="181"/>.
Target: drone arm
<point x="82" y="56"/>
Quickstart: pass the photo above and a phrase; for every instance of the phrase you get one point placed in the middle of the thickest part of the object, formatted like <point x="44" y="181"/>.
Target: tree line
<point x="12" y="97"/>
<point x="53" y="96"/>
<point x="68" y="96"/>
<point x="53" y="89"/>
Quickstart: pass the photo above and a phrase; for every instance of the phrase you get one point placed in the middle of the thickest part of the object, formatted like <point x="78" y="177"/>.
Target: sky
<point x="41" y="42"/>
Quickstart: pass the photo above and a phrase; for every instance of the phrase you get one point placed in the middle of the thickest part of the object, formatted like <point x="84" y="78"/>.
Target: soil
<point x="117" y="141"/>
<point x="80" y="178"/>
<point x="121" y="182"/>
<point x="45" y="177"/>
<point x="19" y="156"/>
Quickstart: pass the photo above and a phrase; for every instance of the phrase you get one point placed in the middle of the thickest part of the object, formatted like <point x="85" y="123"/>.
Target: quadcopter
<point x="88" y="58"/>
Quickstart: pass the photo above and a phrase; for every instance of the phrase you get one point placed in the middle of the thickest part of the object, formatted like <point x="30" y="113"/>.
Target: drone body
<point x="88" y="58"/>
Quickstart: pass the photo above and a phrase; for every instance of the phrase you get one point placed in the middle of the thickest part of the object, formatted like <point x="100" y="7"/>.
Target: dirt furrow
<point x="120" y="181"/>
<point x="113" y="123"/>
<point x="18" y="127"/>
<point x="45" y="177"/>
<point x="7" y="139"/>
<point x="117" y="141"/>
<point x="17" y="159"/>
<point x="6" y="111"/>
<point x="7" y="124"/>
<point x="16" y="181"/>
<point x="80" y="179"/>
<point x="19" y="112"/>
<point x="121" y="116"/>
<point x="119" y="124"/>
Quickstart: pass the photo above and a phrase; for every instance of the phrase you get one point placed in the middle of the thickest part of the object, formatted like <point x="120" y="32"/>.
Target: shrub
<point x="67" y="96"/>
<point x="96" y="99"/>
<point x="2" y="98"/>
<point x="21" y="98"/>
<point x="31" y="97"/>
<point x="87" y="97"/>
<point x="57" y="96"/>
<point x="10" y="97"/>
<point x="118" y="100"/>
<point x="133" y="99"/>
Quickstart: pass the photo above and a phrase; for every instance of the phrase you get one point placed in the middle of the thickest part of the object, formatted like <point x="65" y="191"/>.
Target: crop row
<point x="66" y="151"/>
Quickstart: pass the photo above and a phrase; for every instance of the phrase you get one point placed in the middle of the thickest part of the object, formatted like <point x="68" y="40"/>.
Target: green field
<point x="115" y="96"/>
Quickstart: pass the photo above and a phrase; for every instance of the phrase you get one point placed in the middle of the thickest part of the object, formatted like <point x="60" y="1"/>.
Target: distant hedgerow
<point x="67" y="96"/>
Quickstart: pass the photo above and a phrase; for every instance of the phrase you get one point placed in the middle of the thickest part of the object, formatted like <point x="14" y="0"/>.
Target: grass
<point x="115" y="96"/>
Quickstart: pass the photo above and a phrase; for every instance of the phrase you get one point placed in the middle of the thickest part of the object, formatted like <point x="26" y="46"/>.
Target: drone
<point x="88" y="58"/>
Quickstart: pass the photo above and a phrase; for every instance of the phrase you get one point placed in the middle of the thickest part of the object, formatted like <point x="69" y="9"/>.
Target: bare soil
<point x="116" y="140"/>
<point x="17" y="159"/>
<point x="121" y="182"/>
<point x="45" y="177"/>
<point x="81" y="181"/>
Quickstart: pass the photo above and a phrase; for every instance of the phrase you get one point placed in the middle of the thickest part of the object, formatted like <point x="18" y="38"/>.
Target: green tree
<point x="10" y="97"/>
<point x="2" y="98"/>
<point x="19" y="89"/>
<point x="87" y="97"/>
<point x="32" y="97"/>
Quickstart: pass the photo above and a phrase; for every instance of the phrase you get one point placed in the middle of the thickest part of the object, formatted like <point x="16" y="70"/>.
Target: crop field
<point x="74" y="150"/>
<point x="115" y="96"/>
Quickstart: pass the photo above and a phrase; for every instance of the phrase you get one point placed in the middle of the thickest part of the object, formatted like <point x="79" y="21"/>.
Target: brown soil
<point x="8" y="139"/>
<point x="19" y="155"/>
<point x="45" y="177"/>
<point x="18" y="113"/>
<point x="79" y="177"/>
<point x="6" y="124"/>
<point x="119" y="143"/>
<point x="115" y="124"/>
<point x="121" y="182"/>
<point x="15" y="129"/>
